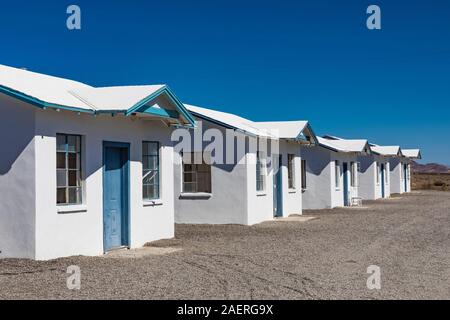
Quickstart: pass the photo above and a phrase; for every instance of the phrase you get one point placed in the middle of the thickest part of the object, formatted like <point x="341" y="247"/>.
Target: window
<point x="304" y="174"/>
<point x="150" y="170"/>
<point x="353" y="174"/>
<point x="260" y="172"/>
<point x="378" y="173"/>
<point x="196" y="174"/>
<point x="68" y="169"/>
<point x="386" y="172"/>
<point x="337" y="174"/>
<point x="291" y="171"/>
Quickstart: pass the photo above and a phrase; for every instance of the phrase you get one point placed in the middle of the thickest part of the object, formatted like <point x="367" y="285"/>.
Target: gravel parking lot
<point x="408" y="237"/>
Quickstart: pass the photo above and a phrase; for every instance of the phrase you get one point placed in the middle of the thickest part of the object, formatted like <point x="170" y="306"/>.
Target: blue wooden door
<point x="115" y="196"/>
<point x="346" y="188"/>
<point x="382" y="180"/>
<point x="277" y="188"/>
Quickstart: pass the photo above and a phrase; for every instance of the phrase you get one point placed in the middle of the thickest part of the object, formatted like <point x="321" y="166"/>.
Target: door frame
<point x="278" y="182"/>
<point x="346" y="183"/>
<point x="125" y="192"/>
<point x="383" y="180"/>
<point x="405" y="174"/>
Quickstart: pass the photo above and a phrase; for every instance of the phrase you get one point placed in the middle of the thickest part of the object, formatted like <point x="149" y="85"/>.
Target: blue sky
<point x="264" y="60"/>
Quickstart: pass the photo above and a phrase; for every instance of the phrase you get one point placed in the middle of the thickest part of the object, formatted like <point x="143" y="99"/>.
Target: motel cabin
<point x="374" y="175"/>
<point x="84" y="170"/>
<point x="253" y="175"/>
<point x="332" y="172"/>
<point x="401" y="170"/>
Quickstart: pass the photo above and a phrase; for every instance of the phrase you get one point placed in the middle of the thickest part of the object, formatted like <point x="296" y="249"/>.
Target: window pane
<point x="151" y="191"/>
<point x="61" y="142"/>
<point x="74" y="178"/>
<point x="203" y="182"/>
<point x="204" y="167"/>
<point x="74" y="195"/>
<point x="189" y="187"/>
<point x="189" y="177"/>
<point x="150" y="177"/>
<point x="61" y="178"/>
<point x="61" y="195"/>
<point x="61" y="160"/>
<point x="73" y="160"/>
<point x="152" y="162"/>
<point x="150" y="148"/>
<point x="73" y="143"/>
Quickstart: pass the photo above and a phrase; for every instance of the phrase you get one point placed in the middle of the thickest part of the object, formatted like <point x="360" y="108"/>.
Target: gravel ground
<point x="325" y="258"/>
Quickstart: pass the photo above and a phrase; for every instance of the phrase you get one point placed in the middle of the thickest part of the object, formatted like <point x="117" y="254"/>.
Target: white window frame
<point x="262" y="168"/>
<point x="378" y="173"/>
<point x="158" y="144"/>
<point x="337" y="174"/>
<point x="80" y="171"/>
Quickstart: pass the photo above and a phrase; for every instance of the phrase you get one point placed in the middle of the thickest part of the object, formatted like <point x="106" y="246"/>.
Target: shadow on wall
<point x="16" y="130"/>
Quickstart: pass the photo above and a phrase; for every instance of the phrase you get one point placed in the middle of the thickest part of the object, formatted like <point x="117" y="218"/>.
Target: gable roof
<point x="228" y="120"/>
<point x="46" y="91"/>
<point x="344" y="145"/>
<point x="412" y="153"/>
<point x="289" y="130"/>
<point x="391" y="151"/>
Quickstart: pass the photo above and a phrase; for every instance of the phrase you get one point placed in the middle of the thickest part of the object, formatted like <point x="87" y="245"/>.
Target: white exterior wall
<point x="319" y="177"/>
<point x="234" y="199"/>
<point x="81" y="233"/>
<point x="397" y="184"/>
<point x="260" y="203"/>
<point x="367" y="177"/>
<point x="398" y="175"/>
<point x="337" y="194"/>
<point x="408" y="177"/>
<point x="321" y="191"/>
<point x="292" y="198"/>
<point x="369" y="188"/>
<point x="227" y="202"/>
<point x="17" y="179"/>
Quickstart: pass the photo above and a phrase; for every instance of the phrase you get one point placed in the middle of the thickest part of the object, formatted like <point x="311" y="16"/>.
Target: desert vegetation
<point x="430" y="181"/>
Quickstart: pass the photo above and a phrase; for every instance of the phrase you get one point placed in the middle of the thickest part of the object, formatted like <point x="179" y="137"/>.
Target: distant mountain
<point x="429" y="168"/>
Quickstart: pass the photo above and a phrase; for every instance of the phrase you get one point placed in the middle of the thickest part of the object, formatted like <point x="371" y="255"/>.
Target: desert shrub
<point x="439" y="183"/>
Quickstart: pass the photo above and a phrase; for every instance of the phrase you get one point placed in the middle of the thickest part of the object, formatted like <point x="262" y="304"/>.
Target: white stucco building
<point x="251" y="186"/>
<point x="375" y="172"/>
<point x="401" y="170"/>
<point x="332" y="172"/>
<point x="84" y="170"/>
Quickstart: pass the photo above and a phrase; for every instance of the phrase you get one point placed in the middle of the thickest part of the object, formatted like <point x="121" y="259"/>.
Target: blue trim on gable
<point x="165" y="89"/>
<point x="167" y="113"/>
<point x="160" y="112"/>
<point x="38" y="103"/>
<point x="316" y="141"/>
